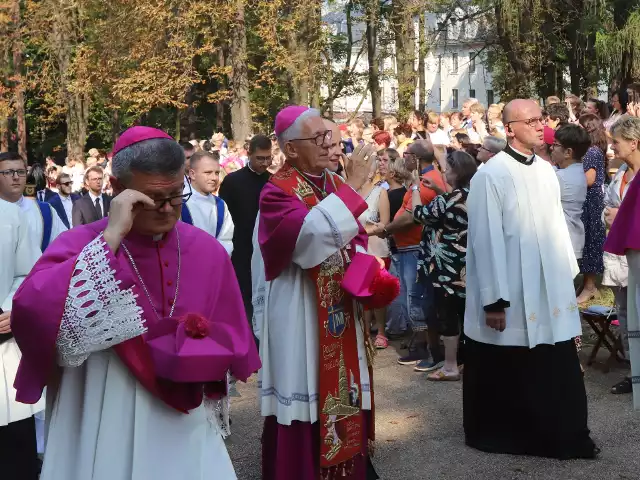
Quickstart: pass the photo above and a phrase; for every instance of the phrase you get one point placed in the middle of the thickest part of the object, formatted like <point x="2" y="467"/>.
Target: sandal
<point x="441" y="376"/>
<point x="381" y="342"/>
<point x="624" y="386"/>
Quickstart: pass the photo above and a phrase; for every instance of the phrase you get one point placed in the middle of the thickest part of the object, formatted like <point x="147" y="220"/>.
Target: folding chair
<point x="599" y="319"/>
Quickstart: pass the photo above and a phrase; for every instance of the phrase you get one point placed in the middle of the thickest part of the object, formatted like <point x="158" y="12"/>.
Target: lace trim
<point x="218" y="411"/>
<point x="97" y="313"/>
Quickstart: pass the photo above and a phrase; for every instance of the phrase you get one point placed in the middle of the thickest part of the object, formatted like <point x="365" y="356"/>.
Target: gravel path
<point x="419" y="433"/>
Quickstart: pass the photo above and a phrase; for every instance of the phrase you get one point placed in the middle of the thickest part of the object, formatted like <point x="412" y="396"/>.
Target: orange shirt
<point x="411" y="236"/>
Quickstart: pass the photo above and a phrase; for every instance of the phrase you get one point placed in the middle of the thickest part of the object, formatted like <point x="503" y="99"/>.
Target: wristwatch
<point x="414" y="188"/>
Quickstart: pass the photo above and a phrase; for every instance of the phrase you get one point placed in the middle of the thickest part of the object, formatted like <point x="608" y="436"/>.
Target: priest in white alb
<point x="315" y="385"/>
<point x="137" y="330"/>
<point x="18" y="254"/>
<point x="523" y="391"/>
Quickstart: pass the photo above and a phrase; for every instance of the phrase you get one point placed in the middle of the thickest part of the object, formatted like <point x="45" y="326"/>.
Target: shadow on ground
<point x="420" y="437"/>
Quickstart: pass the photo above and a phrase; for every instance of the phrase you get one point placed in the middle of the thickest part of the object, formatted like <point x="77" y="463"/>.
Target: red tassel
<point x="385" y="288"/>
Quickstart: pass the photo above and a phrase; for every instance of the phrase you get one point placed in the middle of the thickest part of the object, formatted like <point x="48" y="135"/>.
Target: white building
<point x="454" y="69"/>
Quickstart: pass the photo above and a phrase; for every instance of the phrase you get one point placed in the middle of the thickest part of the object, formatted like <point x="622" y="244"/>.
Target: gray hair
<point x="494" y="144"/>
<point x="627" y="127"/>
<point x="295" y="129"/>
<point x="160" y="156"/>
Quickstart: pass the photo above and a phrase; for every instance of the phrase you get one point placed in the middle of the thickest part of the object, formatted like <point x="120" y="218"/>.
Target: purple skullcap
<point x="286" y="117"/>
<point x="138" y="134"/>
<point x="549" y="135"/>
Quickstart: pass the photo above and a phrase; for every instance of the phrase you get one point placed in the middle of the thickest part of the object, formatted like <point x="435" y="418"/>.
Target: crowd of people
<point x="461" y="233"/>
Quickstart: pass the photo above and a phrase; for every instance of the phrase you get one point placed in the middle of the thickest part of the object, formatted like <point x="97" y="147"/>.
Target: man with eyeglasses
<point x="313" y="342"/>
<point x="64" y="200"/>
<point x="138" y="319"/>
<point x="240" y="190"/>
<point x="523" y="391"/>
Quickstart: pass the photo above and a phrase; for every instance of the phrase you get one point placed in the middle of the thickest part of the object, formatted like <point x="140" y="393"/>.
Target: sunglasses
<point x="66" y="184"/>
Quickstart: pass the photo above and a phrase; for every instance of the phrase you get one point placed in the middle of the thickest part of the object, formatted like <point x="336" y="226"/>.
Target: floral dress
<point x="445" y="249"/>
<point x="594" y="230"/>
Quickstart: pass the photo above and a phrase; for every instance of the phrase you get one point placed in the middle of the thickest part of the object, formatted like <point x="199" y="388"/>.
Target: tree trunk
<point x="220" y="104"/>
<point x="77" y="122"/>
<point x="115" y="125"/>
<point x="241" y="124"/>
<point x="18" y="85"/>
<point x="422" y="51"/>
<point x="402" y="25"/>
<point x="372" y="58"/>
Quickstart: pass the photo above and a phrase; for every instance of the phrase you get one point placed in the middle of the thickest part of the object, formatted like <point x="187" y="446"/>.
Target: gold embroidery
<point x="573" y="307"/>
<point x="303" y="190"/>
<point x="532" y="317"/>
<point x="556" y="312"/>
<point x="330" y="290"/>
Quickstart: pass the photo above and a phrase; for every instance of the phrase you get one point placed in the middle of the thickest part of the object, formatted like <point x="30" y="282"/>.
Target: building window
<point x="472" y="93"/>
<point x="439" y="63"/>
<point x="454" y="98"/>
<point x="472" y="64"/>
<point x="489" y="97"/>
<point x="454" y="59"/>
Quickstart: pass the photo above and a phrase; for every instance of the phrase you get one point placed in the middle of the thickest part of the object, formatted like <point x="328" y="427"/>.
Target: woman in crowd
<point x="403" y="137"/>
<point x="445" y="122"/>
<point x="616" y="270"/>
<point x="478" y="130"/>
<point x="456" y="121"/>
<point x="568" y="148"/>
<point x="446" y="215"/>
<point x="376" y="214"/>
<point x="624" y="237"/>
<point x="417" y="121"/>
<point x="397" y="178"/>
<point x="619" y="104"/>
<point x="382" y="139"/>
<point x="437" y="135"/>
<point x="597" y="107"/>
<point x="594" y="165"/>
<point x="494" y="121"/>
<point x="75" y="170"/>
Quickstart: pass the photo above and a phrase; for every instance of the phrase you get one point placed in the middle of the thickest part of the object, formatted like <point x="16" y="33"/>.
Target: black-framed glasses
<point x="531" y="122"/>
<point x="554" y="145"/>
<point x="320" y="139"/>
<point x="21" y="172"/>
<point x="66" y="184"/>
<point x="267" y="159"/>
<point x="173" y="201"/>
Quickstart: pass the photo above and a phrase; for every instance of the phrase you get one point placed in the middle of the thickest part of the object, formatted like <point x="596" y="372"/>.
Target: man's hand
<point x="5" y="322"/>
<point x="610" y="215"/>
<point x="358" y="166"/>
<point x="124" y="208"/>
<point x="376" y="230"/>
<point x="430" y="183"/>
<point x="497" y="320"/>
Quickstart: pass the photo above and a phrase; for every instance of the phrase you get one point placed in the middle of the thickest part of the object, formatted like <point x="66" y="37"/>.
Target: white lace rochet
<point x="98" y="314"/>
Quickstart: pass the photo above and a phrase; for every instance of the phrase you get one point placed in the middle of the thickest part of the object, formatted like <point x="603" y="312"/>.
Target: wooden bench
<point x="599" y="319"/>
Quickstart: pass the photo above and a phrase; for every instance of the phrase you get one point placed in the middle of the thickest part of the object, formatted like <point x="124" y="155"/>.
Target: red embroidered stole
<point x="340" y="392"/>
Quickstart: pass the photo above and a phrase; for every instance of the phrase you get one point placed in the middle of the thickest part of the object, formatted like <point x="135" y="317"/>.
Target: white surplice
<point x="204" y="213"/>
<point x="288" y="380"/>
<point x="17" y="256"/>
<point x="519" y="250"/>
<point x="36" y="224"/>
<point x="102" y="423"/>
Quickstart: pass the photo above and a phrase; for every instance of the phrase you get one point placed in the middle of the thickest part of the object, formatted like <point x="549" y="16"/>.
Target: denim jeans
<point x="410" y="307"/>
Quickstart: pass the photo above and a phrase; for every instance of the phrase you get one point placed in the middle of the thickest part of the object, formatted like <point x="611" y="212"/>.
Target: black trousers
<point x="18" y="451"/>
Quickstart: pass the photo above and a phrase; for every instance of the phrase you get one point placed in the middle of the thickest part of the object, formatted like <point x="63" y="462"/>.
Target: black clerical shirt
<point x="241" y="192"/>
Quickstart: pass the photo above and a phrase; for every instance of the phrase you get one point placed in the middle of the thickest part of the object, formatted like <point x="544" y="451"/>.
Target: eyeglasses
<point x="267" y="159"/>
<point x="173" y="201"/>
<point x="531" y="122"/>
<point x="320" y="139"/>
<point x="21" y="172"/>
<point x="554" y="145"/>
<point x="66" y="184"/>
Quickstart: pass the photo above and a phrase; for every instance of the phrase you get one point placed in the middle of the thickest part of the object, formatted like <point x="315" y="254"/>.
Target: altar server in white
<point x="523" y="390"/>
<point x="18" y="456"/>
<point x="204" y="209"/>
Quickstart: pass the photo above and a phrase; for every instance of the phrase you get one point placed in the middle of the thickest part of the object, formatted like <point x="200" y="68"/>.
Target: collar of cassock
<point x="519" y="156"/>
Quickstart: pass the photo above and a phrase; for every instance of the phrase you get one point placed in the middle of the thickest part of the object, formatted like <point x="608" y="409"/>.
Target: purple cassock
<point x="207" y="288"/>
<point x="291" y="452"/>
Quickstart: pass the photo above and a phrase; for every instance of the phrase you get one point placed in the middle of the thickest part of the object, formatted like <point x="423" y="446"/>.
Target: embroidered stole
<point x="340" y="393"/>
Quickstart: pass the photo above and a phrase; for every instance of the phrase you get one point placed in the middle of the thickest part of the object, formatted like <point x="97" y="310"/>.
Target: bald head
<point x="523" y="122"/>
<point x="423" y="150"/>
<point x="335" y="150"/>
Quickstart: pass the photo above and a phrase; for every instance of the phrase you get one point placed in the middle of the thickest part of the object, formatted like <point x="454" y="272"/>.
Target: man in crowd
<point x="415" y="301"/>
<point x="523" y="391"/>
<point x="19" y="188"/>
<point x="335" y="147"/>
<point x="307" y="233"/>
<point x="466" y="113"/>
<point x="64" y="200"/>
<point x="94" y="205"/>
<point x="490" y="147"/>
<point x="240" y="190"/>
<point x="18" y="254"/>
<point x="113" y="298"/>
<point x="204" y="209"/>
